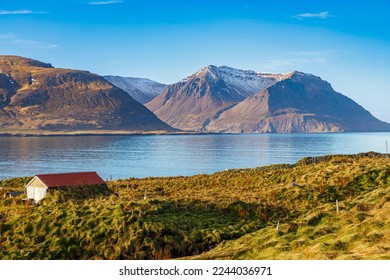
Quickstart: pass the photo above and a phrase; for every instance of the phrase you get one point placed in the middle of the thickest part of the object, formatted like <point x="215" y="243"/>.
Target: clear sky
<point x="346" y="43"/>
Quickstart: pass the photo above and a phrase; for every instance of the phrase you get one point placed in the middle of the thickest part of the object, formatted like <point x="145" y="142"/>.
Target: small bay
<point x="115" y="157"/>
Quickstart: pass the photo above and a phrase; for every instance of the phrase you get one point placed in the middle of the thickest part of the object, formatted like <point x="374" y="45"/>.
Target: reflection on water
<point x="168" y="155"/>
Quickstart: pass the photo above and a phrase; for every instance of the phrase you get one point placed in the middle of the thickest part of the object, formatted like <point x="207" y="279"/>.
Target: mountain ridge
<point x="196" y="100"/>
<point x="245" y="101"/>
<point x="35" y="95"/>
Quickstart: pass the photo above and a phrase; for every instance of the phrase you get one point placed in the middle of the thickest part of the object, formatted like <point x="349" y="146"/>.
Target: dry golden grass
<point x="353" y="234"/>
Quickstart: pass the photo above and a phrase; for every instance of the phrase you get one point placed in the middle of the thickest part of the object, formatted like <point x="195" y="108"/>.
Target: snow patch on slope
<point x="140" y="89"/>
<point x="244" y="82"/>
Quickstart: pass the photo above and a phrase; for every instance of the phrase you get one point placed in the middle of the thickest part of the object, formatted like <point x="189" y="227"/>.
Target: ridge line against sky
<point x="346" y="44"/>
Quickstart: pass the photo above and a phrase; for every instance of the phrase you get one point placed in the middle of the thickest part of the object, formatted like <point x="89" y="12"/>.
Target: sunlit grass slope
<point x="273" y="212"/>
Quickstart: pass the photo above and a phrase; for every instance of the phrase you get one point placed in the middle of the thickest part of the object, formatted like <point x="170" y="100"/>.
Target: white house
<point x="40" y="184"/>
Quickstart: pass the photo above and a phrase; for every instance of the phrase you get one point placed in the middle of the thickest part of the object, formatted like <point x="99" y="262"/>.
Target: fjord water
<point x="169" y="155"/>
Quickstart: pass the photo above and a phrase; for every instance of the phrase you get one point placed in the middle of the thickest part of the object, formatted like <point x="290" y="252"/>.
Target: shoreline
<point x="46" y="133"/>
<point x="306" y="160"/>
<point x="94" y="132"/>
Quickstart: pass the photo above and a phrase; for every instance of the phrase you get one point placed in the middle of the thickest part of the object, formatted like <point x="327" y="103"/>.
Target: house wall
<point x="36" y="190"/>
<point x="36" y="193"/>
<point x="30" y="192"/>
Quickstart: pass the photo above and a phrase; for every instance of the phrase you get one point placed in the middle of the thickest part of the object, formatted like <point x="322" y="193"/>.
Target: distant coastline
<point x="47" y="133"/>
<point x="106" y="132"/>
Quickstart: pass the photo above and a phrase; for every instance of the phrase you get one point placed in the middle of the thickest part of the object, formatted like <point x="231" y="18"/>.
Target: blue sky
<point x="345" y="42"/>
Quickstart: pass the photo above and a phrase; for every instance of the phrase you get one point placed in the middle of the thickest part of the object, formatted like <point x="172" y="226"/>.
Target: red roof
<point x="71" y="179"/>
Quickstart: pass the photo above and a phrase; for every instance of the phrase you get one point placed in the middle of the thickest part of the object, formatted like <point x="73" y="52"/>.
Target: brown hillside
<point x="193" y="103"/>
<point x="224" y="99"/>
<point x="299" y="103"/>
<point x="34" y="95"/>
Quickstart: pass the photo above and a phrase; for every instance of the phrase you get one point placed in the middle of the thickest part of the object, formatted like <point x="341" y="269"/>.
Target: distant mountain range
<point x="224" y="99"/>
<point x="36" y="96"/>
<point x="192" y="103"/>
<point x="142" y="90"/>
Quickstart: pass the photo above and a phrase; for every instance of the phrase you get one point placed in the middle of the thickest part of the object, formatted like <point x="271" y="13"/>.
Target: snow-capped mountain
<point x="244" y="82"/>
<point x="142" y="90"/>
<point x="194" y="102"/>
<point x="224" y="99"/>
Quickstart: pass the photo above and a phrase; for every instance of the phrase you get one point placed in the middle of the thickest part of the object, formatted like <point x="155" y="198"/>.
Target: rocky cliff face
<point x="34" y="95"/>
<point x="222" y="101"/>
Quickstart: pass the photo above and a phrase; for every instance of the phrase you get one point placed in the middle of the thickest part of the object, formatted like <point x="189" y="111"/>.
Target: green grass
<point x="356" y="232"/>
<point x="226" y="215"/>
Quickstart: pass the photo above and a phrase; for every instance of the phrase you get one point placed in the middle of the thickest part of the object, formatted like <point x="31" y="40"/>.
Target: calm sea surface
<point x="142" y="156"/>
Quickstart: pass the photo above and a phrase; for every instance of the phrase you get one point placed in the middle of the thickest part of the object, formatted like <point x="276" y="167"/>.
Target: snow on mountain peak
<point x="245" y="82"/>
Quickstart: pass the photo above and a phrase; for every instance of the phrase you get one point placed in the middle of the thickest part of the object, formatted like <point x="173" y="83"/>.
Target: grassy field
<point x="273" y="212"/>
